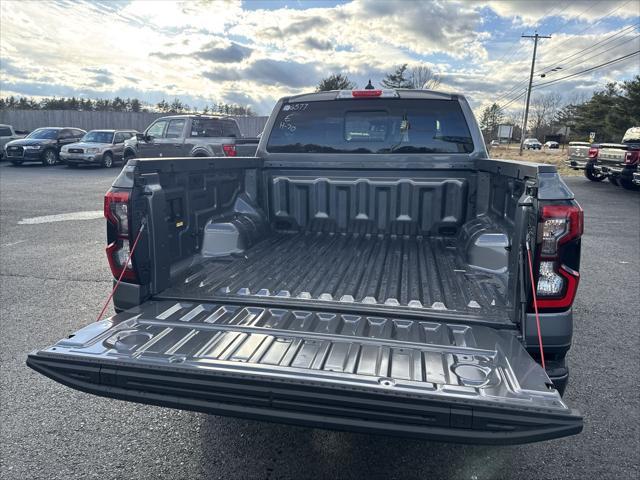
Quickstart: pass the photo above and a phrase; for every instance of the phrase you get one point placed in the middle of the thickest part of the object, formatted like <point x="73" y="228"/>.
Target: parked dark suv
<point x="42" y="145"/>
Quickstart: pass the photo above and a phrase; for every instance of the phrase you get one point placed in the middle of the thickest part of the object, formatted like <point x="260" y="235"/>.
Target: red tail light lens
<point x="117" y="213"/>
<point x="560" y="224"/>
<point x="230" y="150"/>
<point x="632" y="157"/>
<point x="116" y="210"/>
<point x="557" y="283"/>
<point x="593" y="152"/>
<point x="366" y="93"/>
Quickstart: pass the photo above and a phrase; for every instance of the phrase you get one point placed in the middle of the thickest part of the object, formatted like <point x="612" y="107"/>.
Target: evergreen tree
<point x="135" y="105"/>
<point x="398" y="79"/>
<point x="490" y="119"/>
<point x="337" y="81"/>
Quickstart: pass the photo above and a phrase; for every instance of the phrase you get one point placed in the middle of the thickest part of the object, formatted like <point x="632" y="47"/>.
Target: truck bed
<point x="396" y="272"/>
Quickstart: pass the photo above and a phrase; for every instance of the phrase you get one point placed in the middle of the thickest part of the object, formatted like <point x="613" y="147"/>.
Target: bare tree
<point x="543" y="112"/>
<point x="422" y="77"/>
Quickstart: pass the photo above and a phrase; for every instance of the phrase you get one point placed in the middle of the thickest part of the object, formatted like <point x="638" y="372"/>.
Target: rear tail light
<point x="560" y="224"/>
<point x="366" y="93"/>
<point x="557" y="283"/>
<point x="382" y="93"/>
<point x="593" y="152"/>
<point x="631" y="158"/>
<point x="117" y="213"/>
<point x="230" y="150"/>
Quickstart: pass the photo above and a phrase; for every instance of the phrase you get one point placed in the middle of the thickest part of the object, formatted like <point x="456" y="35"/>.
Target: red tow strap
<point x="535" y="305"/>
<point x="115" y="287"/>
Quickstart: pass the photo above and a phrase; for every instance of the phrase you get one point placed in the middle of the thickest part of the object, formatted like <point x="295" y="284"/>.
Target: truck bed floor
<point x="408" y="273"/>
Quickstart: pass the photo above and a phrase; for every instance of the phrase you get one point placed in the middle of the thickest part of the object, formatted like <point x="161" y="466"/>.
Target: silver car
<point x="97" y="147"/>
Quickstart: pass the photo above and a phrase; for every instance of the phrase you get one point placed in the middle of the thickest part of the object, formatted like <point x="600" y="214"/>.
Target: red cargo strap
<point x="535" y="305"/>
<point x="115" y="287"/>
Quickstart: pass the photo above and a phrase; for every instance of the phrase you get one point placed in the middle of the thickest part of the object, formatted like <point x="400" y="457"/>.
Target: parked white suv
<point x="7" y="133"/>
<point x="532" y="144"/>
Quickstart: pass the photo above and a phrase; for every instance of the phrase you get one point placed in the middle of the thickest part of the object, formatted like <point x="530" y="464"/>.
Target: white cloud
<point x="211" y="51"/>
<point x="532" y="12"/>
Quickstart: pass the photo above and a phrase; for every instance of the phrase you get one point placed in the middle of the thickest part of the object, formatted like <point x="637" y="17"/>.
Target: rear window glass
<point x="371" y="126"/>
<point x="214" y="127"/>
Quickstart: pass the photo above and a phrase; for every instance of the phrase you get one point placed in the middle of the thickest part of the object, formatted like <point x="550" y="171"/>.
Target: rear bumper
<point x="309" y="404"/>
<point x="608" y="169"/>
<point x="556" y="330"/>
<point x="576" y="164"/>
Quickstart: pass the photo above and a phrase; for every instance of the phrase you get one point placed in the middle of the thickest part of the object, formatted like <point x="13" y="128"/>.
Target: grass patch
<point x="552" y="157"/>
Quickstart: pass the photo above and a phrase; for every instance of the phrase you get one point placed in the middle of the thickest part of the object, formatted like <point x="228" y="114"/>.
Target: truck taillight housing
<point x="230" y="150"/>
<point x="631" y="158"/>
<point x="557" y="283"/>
<point x="593" y="152"/>
<point x="117" y="213"/>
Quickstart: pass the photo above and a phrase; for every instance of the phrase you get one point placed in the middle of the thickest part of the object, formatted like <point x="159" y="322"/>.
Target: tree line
<point x="418" y="77"/>
<point x="608" y="112"/>
<point x="117" y="104"/>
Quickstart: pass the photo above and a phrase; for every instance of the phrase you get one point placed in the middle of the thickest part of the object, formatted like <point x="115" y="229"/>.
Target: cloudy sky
<point x="252" y="52"/>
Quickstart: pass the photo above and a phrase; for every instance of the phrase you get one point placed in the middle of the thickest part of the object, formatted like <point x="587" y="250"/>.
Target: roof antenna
<point x="369" y="86"/>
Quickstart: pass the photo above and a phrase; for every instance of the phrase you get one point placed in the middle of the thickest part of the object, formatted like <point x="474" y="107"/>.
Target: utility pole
<point x="533" y="64"/>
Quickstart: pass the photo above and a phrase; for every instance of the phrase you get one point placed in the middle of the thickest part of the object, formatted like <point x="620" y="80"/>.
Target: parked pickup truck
<point x="367" y="271"/>
<point x="583" y="156"/>
<point x="191" y="136"/>
<point x="7" y="133"/>
<point x="619" y="161"/>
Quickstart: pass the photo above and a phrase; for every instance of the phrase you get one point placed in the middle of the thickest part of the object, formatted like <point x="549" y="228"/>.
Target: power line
<point x="596" y="22"/>
<point x="604" y="42"/>
<point x="503" y="107"/>
<point x="537" y="22"/>
<point x="581" y="62"/>
<point x="619" y="59"/>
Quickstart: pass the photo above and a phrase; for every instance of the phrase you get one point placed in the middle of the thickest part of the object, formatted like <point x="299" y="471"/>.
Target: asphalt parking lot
<point x="54" y="278"/>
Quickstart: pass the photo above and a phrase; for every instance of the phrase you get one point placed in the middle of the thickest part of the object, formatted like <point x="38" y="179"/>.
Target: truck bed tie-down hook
<point x="535" y="304"/>
<point x="115" y="287"/>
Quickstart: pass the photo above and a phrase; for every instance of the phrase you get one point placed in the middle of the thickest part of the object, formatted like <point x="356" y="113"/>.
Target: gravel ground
<point x="54" y="277"/>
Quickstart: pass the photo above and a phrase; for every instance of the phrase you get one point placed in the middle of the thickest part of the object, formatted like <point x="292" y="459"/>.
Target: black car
<point x="42" y="145"/>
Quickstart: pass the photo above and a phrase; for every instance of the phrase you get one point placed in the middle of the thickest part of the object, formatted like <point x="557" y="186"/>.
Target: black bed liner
<point x="414" y="274"/>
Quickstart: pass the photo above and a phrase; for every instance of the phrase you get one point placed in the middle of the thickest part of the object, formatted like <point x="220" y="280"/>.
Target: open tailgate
<point x="441" y="381"/>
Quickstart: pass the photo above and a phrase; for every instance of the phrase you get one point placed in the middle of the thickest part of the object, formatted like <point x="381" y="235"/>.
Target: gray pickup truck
<point x="583" y="156"/>
<point x="191" y="136"/>
<point x="372" y="269"/>
<point x="619" y="161"/>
